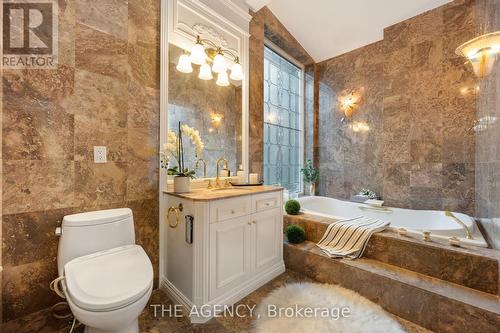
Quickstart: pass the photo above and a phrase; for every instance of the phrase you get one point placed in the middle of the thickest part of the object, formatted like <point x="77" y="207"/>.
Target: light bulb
<point x="219" y="65"/>
<point x="222" y="79"/>
<point x="184" y="64"/>
<point x="236" y="72"/>
<point x="198" y="55"/>
<point x="205" y="72"/>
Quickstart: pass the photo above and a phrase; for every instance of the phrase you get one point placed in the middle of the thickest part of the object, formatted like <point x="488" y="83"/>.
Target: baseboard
<point x="176" y="295"/>
<point x="258" y="281"/>
<point x="227" y="299"/>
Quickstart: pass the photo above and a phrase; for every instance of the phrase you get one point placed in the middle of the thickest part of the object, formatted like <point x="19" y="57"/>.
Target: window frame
<point x="269" y="44"/>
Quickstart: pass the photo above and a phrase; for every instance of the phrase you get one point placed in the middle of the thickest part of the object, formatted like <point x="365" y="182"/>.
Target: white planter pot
<point x="182" y="184"/>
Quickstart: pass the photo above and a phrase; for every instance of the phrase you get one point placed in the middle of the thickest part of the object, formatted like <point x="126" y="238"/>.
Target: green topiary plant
<point x="295" y="234"/>
<point x="292" y="207"/>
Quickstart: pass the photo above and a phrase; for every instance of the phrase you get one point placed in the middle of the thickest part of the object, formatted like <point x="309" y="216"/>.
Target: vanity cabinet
<point x="237" y="246"/>
<point x="230" y="254"/>
<point x="243" y="247"/>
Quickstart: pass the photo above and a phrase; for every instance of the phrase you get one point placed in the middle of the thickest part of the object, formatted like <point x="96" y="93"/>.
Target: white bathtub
<point x="416" y="220"/>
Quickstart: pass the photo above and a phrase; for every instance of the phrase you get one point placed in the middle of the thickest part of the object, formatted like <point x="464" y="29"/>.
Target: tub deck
<point x="454" y="264"/>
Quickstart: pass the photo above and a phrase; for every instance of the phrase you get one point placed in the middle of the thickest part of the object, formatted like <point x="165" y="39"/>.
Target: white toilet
<point x="107" y="278"/>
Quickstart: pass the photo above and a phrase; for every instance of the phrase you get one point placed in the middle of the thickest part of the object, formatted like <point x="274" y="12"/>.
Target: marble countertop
<point x="204" y="194"/>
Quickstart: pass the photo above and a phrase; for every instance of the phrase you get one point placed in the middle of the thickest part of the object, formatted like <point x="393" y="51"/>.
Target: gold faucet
<point x="196" y="166"/>
<point x="468" y="234"/>
<point x="222" y="159"/>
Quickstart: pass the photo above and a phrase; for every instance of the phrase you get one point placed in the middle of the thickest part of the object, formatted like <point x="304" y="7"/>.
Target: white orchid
<point x="170" y="147"/>
<point x="194" y="135"/>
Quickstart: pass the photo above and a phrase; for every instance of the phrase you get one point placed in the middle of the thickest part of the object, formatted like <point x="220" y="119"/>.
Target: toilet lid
<point x="110" y="279"/>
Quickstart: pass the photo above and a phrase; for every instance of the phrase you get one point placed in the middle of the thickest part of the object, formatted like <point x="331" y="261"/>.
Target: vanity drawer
<point x="266" y="201"/>
<point x="221" y="210"/>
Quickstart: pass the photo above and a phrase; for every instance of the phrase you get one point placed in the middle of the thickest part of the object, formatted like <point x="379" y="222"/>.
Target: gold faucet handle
<point x="226" y="183"/>
<point x="210" y="184"/>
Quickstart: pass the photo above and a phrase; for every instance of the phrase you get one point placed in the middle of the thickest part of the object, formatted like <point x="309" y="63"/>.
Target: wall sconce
<point x="215" y="120"/>
<point x="481" y="52"/>
<point x="360" y="127"/>
<point x="349" y="103"/>
<point x="216" y="55"/>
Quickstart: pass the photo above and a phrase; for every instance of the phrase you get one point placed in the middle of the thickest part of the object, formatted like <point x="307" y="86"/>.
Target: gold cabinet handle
<point x="177" y="211"/>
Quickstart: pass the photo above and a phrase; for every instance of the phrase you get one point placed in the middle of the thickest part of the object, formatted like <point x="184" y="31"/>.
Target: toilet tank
<point x="91" y="232"/>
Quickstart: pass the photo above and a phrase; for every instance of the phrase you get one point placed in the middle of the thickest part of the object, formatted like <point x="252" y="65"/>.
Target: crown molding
<point x="237" y="10"/>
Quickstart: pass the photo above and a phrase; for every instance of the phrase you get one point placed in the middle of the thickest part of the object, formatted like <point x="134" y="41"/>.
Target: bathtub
<point x="414" y="220"/>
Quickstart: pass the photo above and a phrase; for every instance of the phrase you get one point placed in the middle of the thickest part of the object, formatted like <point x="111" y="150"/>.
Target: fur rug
<point x="328" y="301"/>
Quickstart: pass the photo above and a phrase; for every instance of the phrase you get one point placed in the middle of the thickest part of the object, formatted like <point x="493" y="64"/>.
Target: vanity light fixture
<point x="236" y="71"/>
<point x="184" y="64"/>
<point x="481" y="52"/>
<point x="198" y="55"/>
<point x="216" y="55"/>
<point x="219" y="64"/>
<point x="222" y="79"/>
<point x="205" y="72"/>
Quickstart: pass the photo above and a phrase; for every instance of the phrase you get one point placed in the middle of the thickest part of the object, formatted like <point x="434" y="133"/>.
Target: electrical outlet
<point x="100" y="154"/>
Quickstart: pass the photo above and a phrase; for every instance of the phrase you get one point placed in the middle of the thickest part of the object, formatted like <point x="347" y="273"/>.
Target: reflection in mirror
<point x="213" y="110"/>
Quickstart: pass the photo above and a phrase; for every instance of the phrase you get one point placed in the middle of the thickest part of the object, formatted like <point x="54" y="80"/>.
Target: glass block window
<point x="283" y="122"/>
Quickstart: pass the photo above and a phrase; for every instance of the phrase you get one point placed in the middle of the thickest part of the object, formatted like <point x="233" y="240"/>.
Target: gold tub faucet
<point x="468" y="234"/>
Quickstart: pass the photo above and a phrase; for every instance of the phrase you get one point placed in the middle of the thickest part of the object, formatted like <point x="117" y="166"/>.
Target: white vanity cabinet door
<point x="266" y="239"/>
<point x="230" y="246"/>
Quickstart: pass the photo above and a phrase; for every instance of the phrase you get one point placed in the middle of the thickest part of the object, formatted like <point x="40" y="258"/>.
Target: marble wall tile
<point x="143" y="106"/>
<point x="101" y="94"/>
<point x="30" y="237"/>
<point x="33" y="185"/>
<point x="144" y="62"/>
<point x="97" y="184"/>
<point x="142" y="179"/>
<point x="142" y="144"/>
<point x="144" y="22"/>
<point x="25" y="288"/>
<point x="66" y="46"/>
<point x="55" y="85"/>
<point x="426" y="198"/>
<point x="99" y="98"/>
<point x="108" y="16"/>
<point x="100" y="53"/>
<point x="100" y="115"/>
<point x="36" y="129"/>
<point x="415" y="108"/>
<point x="426" y="175"/>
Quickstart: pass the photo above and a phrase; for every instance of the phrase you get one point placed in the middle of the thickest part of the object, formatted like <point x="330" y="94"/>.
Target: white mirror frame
<point x="213" y="13"/>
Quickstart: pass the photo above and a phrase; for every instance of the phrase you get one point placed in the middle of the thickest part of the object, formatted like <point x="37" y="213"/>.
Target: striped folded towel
<point x="348" y="238"/>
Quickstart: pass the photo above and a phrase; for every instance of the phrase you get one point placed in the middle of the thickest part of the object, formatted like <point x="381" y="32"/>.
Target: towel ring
<point x="177" y="211"/>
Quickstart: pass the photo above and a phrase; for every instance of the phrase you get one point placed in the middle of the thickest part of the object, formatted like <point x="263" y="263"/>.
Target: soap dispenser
<point x="240" y="174"/>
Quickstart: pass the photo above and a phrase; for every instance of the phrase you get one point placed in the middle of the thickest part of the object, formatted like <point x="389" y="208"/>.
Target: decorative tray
<point x="247" y="184"/>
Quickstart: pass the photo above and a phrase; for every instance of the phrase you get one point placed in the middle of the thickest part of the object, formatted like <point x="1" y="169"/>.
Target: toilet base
<point x="132" y="328"/>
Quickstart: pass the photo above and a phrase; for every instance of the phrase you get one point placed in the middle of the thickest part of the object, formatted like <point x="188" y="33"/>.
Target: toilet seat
<point x="109" y="280"/>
